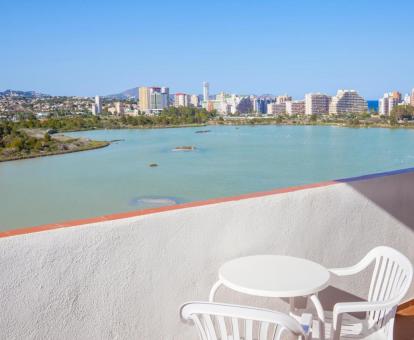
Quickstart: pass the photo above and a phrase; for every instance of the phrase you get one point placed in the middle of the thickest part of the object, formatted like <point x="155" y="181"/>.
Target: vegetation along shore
<point x="31" y="137"/>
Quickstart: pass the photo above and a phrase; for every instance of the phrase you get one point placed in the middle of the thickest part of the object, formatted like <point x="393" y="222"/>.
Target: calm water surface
<point x="228" y="161"/>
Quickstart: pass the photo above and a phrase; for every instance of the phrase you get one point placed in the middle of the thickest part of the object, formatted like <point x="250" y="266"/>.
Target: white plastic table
<point x="275" y="276"/>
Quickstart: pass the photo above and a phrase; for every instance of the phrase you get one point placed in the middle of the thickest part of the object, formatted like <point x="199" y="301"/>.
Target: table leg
<point x="321" y="315"/>
<point x="292" y="308"/>
<point x="213" y="291"/>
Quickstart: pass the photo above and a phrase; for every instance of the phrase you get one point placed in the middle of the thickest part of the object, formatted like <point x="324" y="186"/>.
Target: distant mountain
<point x="127" y="94"/>
<point x="22" y="94"/>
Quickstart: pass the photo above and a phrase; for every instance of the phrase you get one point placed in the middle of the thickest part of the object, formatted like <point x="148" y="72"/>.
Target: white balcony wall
<point x="125" y="279"/>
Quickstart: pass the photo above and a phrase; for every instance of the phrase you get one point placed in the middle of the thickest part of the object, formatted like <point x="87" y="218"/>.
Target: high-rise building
<point x="383" y="108"/>
<point x="98" y="103"/>
<point x="166" y="92"/>
<point x="260" y="105"/>
<point x="194" y="100"/>
<point x="296" y="107"/>
<point x="181" y="99"/>
<point x="153" y="99"/>
<point x="144" y="100"/>
<point x="317" y="104"/>
<point x="206" y="89"/>
<point x="397" y="96"/>
<point x="388" y="101"/>
<point x="158" y="100"/>
<point x="94" y="109"/>
<point x="347" y="101"/>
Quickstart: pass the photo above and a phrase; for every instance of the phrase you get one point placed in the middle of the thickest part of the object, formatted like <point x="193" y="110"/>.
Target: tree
<point x="47" y="138"/>
<point x="402" y="112"/>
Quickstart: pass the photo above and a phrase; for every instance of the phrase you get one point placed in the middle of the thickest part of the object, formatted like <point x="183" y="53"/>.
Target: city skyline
<point x="297" y="47"/>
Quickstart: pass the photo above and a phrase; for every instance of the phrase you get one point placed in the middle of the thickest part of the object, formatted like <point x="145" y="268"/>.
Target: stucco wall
<point x="125" y="279"/>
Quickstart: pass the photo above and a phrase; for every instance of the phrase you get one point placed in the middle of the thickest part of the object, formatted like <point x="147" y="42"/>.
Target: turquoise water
<point x="228" y="161"/>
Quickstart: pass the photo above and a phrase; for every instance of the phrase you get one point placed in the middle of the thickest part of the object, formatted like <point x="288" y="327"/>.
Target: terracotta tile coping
<point x="406" y="309"/>
<point x="111" y="217"/>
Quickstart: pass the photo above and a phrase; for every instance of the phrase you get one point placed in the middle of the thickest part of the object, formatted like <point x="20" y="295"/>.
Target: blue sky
<point x="297" y="46"/>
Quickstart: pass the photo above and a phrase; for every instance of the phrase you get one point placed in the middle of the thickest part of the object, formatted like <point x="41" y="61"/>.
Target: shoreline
<point x="232" y="122"/>
<point x="247" y="122"/>
<point x="56" y="153"/>
<point x="138" y="127"/>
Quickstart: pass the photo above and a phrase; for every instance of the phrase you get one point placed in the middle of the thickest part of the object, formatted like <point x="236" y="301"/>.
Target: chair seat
<point x="352" y="328"/>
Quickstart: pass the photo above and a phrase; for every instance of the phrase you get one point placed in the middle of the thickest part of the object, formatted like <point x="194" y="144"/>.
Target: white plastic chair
<point x="217" y="321"/>
<point x="391" y="279"/>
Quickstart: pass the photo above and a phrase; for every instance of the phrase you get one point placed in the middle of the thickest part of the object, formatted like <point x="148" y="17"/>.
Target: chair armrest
<point x="352" y="270"/>
<point x="362" y="306"/>
<point x="344" y="271"/>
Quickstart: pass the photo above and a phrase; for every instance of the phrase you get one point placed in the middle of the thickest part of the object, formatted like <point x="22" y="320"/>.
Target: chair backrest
<point x="217" y="321"/>
<point x="391" y="279"/>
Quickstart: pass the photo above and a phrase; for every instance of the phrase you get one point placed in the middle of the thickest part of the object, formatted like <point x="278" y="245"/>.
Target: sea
<point x="142" y="170"/>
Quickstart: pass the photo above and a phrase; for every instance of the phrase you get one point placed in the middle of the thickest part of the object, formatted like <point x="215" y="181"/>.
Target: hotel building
<point x="347" y="101"/>
<point x="388" y="101"/>
<point x="181" y="99"/>
<point x="317" y="104"/>
<point x="194" y="100"/>
<point x="276" y="109"/>
<point x="153" y="100"/>
<point x="296" y="107"/>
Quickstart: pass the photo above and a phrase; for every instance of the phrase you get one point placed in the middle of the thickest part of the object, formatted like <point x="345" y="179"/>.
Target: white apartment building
<point x="119" y="108"/>
<point x="388" y="101"/>
<point x="347" y="101"/>
<point x="194" y="100"/>
<point x="224" y="103"/>
<point x="206" y="89"/>
<point x="94" y="109"/>
<point x="407" y="99"/>
<point x="296" y="107"/>
<point x="98" y="104"/>
<point x="383" y="105"/>
<point x="276" y="109"/>
<point x="283" y="99"/>
<point x="317" y="103"/>
<point x="181" y="99"/>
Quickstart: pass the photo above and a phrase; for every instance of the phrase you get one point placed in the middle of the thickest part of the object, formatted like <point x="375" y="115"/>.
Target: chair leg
<point x="321" y="315"/>
<point x="336" y="331"/>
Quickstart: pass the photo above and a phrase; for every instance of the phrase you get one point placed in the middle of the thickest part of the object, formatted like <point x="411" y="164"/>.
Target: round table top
<point x="274" y="276"/>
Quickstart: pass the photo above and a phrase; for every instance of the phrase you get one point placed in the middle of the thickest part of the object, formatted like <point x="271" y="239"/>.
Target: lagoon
<point x="228" y="160"/>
